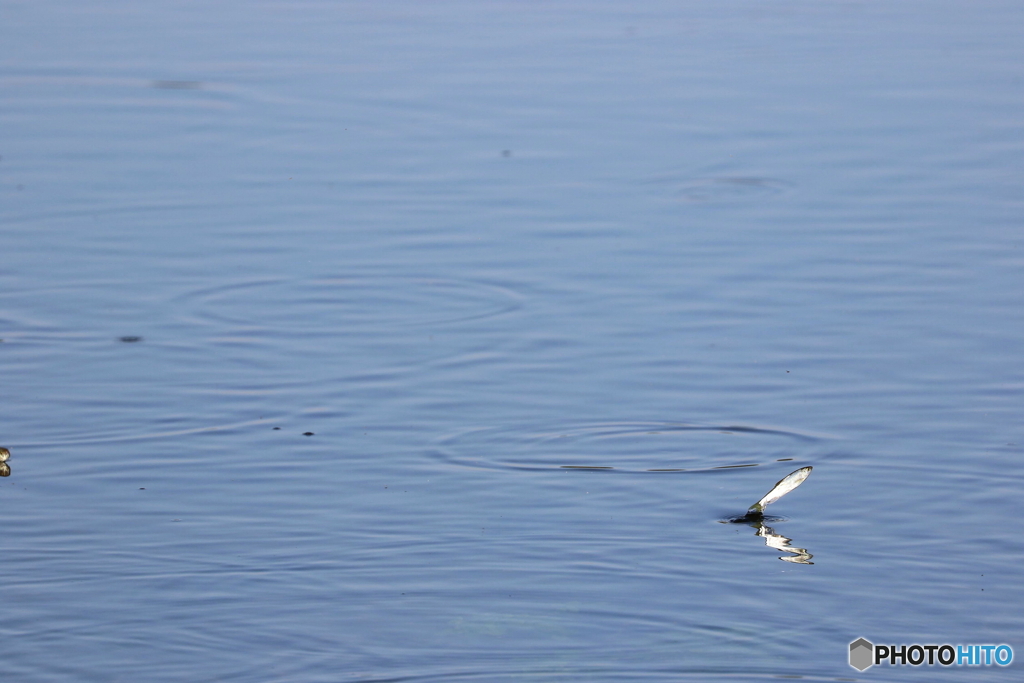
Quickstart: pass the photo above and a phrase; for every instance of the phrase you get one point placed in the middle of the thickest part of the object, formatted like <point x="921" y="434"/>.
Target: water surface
<point x="433" y="342"/>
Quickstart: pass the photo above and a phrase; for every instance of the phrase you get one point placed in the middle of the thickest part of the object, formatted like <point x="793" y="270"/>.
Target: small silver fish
<point x="4" y="454"/>
<point x="785" y="485"/>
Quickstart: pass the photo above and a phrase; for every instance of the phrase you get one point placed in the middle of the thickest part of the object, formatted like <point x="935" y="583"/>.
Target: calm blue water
<point x="475" y="248"/>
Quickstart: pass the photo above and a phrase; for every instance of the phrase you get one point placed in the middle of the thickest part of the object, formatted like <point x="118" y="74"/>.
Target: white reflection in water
<point x="780" y="542"/>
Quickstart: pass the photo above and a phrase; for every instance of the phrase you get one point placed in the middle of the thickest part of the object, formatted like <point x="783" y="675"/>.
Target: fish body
<point x="784" y="486"/>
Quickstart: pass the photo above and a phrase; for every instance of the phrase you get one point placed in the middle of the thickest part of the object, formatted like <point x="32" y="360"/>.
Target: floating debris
<point x="307" y="433"/>
<point x="129" y="339"/>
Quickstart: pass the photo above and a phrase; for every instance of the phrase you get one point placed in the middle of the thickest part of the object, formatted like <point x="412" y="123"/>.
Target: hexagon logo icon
<point x="862" y="654"/>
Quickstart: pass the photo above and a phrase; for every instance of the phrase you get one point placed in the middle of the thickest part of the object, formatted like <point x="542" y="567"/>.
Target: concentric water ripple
<point x="625" y="446"/>
<point x="323" y="306"/>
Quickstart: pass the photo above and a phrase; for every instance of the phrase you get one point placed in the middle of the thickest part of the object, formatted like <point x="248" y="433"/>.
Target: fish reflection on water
<point x="780" y="542"/>
<point x="775" y="540"/>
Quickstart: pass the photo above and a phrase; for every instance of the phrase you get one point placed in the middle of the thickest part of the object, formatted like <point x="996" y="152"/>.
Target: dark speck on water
<point x="307" y="433"/>
<point x="130" y="339"/>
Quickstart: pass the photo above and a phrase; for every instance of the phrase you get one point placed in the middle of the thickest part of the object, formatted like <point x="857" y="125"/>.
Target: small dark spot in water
<point x="783" y="459"/>
<point x="506" y="152"/>
<point x="142" y="488"/>
<point x="307" y="433"/>
<point x="276" y="428"/>
<point x="731" y="467"/>
<point x="130" y="340"/>
<point x="586" y="467"/>
<point x="177" y="85"/>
